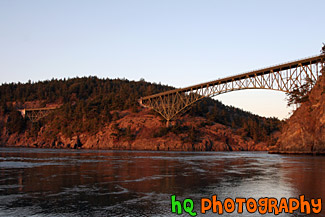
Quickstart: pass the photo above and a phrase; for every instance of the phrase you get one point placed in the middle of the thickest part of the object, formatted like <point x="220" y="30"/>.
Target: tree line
<point x="88" y="103"/>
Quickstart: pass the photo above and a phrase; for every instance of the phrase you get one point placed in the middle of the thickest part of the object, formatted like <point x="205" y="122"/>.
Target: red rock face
<point x="304" y="132"/>
<point x="138" y="131"/>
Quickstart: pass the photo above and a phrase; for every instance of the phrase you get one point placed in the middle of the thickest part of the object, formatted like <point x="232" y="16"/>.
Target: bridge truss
<point x="284" y="77"/>
<point x="36" y="114"/>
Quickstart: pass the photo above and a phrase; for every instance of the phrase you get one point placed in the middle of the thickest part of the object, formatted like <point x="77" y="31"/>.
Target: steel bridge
<point x="35" y="114"/>
<point x="283" y="77"/>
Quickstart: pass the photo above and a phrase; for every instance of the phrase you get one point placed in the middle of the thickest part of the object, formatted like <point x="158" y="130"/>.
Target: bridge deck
<point x="275" y="68"/>
<point x="40" y="109"/>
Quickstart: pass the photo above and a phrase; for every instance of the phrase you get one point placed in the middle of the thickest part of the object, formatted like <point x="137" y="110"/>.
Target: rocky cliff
<point x="98" y="113"/>
<point x="145" y="131"/>
<point x="304" y="132"/>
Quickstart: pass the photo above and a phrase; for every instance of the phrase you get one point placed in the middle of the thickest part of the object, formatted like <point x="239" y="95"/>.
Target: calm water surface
<point x="47" y="182"/>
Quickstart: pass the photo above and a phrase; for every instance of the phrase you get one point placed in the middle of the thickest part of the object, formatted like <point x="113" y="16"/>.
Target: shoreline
<point x="112" y="149"/>
<point x="296" y="153"/>
<point x="151" y="150"/>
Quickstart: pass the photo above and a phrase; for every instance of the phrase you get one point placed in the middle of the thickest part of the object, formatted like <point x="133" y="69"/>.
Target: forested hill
<point x="89" y="103"/>
<point x="115" y="93"/>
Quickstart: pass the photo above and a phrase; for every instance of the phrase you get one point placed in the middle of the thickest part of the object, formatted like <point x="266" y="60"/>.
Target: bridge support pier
<point x="167" y="123"/>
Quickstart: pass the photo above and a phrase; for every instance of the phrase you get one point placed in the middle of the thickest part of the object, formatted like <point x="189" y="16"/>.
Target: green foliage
<point x="122" y="133"/>
<point x="15" y="122"/>
<point x="90" y="103"/>
<point x="3" y="108"/>
<point x="117" y="93"/>
<point x="162" y="131"/>
<point x="300" y="93"/>
<point x="193" y="135"/>
<point x="254" y="126"/>
<point x="34" y="129"/>
<point x="177" y="129"/>
<point x="128" y="134"/>
<point x="323" y="68"/>
<point x="190" y="133"/>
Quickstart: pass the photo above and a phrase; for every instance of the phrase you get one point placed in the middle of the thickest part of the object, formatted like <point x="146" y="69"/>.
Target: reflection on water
<point x="45" y="182"/>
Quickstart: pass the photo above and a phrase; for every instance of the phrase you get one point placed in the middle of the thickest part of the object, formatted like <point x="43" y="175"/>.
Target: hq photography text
<point x="240" y="205"/>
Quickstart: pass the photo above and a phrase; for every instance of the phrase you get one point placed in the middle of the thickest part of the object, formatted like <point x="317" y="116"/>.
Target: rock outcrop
<point x="304" y="132"/>
<point x="142" y="131"/>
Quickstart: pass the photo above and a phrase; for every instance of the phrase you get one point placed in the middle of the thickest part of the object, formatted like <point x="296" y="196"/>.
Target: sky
<point x="174" y="42"/>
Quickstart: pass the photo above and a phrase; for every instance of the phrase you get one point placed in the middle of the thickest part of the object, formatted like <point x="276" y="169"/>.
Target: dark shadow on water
<point x="118" y="183"/>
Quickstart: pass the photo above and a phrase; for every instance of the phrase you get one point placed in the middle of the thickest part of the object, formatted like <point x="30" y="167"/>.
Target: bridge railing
<point x="277" y="65"/>
<point x="238" y="76"/>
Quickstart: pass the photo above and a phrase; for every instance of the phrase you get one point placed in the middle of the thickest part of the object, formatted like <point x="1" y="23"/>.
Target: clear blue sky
<point x="175" y="42"/>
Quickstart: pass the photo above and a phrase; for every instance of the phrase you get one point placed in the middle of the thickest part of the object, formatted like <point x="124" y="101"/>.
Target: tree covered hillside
<point x="89" y="103"/>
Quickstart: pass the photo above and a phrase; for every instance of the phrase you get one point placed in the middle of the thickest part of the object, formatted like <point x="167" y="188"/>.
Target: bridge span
<point x="35" y="114"/>
<point x="283" y="77"/>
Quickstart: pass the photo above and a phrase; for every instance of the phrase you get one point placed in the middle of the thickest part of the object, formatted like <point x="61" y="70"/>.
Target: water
<point x="52" y="182"/>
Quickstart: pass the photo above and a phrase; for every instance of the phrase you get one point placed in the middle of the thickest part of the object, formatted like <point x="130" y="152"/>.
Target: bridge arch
<point x="284" y="77"/>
